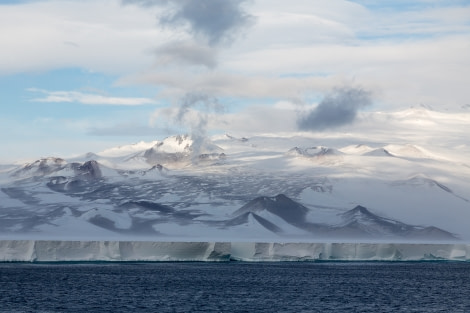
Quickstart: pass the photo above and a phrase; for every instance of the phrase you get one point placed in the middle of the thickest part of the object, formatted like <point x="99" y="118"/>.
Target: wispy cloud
<point x="187" y="53"/>
<point x="87" y="98"/>
<point x="126" y="129"/>
<point x="223" y="84"/>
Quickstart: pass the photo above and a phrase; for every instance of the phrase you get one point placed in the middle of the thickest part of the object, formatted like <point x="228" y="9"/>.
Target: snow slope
<point x="396" y="180"/>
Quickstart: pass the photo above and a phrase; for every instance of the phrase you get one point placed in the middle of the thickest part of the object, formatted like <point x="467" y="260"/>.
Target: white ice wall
<point x="55" y="251"/>
<point x="256" y="251"/>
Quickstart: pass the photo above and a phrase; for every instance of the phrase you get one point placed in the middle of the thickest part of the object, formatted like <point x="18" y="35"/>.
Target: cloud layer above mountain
<point x="277" y="60"/>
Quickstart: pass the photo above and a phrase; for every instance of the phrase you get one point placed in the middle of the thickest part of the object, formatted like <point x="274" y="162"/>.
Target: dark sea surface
<point x="235" y="287"/>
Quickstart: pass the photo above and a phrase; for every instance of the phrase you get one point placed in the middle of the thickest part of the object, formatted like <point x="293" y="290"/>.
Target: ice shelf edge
<point x="154" y="251"/>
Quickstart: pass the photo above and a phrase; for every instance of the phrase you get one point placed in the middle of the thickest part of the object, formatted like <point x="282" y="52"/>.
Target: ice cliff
<point x="248" y="251"/>
<point x="72" y="251"/>
<point x="67" y="251"/>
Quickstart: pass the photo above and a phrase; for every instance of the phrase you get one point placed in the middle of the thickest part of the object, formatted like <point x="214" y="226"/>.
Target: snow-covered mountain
<point x="40" y="167"/>
<point x="357" y="223"/>
<point x="289" y="187"/>
<point x="362" y="223"/>
<point x="176" y="152"/>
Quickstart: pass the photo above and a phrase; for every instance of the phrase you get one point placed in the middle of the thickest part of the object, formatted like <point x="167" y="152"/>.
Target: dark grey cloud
<point x="187" y="53"/>
<point x="337" y="109"/>
<point x="217" y="21"/>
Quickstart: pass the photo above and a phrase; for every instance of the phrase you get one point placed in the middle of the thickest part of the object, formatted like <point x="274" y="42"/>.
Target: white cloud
<point x="96" y="35"/>
<point x="428" y="71"/>
<point x="296" y="49"/>
<point x="410" y="55"/>
<point x="223" y="84"/>
<point x="254" y="119"/>
<point x="186" y="53"/>
<point x="87" y="98"/>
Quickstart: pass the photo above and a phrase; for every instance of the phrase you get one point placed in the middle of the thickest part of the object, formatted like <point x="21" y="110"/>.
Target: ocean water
<point x="235" y="287"/>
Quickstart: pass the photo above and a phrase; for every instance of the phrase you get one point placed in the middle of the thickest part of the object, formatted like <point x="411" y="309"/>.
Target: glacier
<point x="151" y="251"/>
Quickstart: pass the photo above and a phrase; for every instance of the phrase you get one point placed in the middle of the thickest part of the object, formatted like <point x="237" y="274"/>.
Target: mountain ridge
<point x="221" y="191"/>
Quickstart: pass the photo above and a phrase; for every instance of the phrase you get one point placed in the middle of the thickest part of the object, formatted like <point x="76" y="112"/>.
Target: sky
<point x="79" y="75"/>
